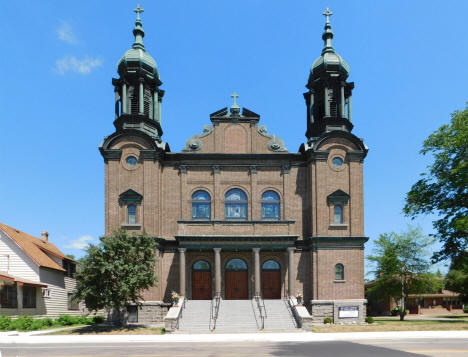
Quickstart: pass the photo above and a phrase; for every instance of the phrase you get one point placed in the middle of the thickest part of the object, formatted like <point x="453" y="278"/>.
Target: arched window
<point x="201" y="205"/>
<point x="236" y="204"/>
<point x="339" y="272"/>
<point x="201" y="265"/>
<point x="271" y="265"/>
<point x="236" y="265"/>
<point x="270" y="205"/>
<point x="338" y="214"/>
<point x="131" y="214"/>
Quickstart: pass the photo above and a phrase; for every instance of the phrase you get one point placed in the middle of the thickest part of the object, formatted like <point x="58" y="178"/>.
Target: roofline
<point x="20" y="247"/>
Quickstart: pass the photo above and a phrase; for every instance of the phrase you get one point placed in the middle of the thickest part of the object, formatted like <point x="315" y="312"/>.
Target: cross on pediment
<point x="138" y="11"/>
<point x="235" y="96"/>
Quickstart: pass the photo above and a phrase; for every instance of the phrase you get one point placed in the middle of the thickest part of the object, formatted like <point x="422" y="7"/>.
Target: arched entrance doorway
<point x="236" y="280"/>
<point x="201" y="280"/>
<point x="271" y="280"/>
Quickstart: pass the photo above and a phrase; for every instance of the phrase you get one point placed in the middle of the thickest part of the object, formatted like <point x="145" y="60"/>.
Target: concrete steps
<point x="236" y="316"/>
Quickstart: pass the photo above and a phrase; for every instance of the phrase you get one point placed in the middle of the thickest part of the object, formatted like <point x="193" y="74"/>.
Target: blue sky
<point x="407" y="58"/>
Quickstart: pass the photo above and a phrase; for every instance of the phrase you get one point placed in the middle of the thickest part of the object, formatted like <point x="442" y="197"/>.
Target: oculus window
<point x="270" y="205"/>
<point x="337" y="161"/>
<point x="236" y="204"/>
<point x="201" y="205"/>
<point x="131" y="161"/>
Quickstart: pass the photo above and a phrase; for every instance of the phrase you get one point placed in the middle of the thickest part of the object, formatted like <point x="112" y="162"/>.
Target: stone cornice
<point x="235" y="222"/>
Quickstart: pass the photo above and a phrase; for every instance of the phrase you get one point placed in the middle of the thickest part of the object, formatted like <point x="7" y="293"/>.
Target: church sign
<point x="348" y="311"/>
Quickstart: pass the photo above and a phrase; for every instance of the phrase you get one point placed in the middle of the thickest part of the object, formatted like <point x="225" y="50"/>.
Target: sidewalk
<point x="27" y="338"/>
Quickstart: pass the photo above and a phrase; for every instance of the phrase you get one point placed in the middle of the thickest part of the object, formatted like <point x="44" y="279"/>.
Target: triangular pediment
<point x="338" y="196"/>
<point x="130" y="196"/>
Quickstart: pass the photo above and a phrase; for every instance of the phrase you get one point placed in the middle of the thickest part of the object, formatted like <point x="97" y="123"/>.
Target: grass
<point x="110" y="330"/>
<point x="387" y="324"/>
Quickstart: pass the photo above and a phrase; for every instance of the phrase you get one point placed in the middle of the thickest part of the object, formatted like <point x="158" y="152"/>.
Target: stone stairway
<point x="236" y="316"/>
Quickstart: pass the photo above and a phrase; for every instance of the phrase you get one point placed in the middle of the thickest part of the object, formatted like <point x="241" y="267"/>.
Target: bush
<point x="394" y="311"/>
<point x="47" y="322"/>
<point x="327" y="320"/>
<point x="5" y="323"/>
<point x="23" y="323"/>
<point x="37" y="324"/>
<point x="97" y="319"/>
<point x="369" y="319"/>
<point x="65" y="320"/>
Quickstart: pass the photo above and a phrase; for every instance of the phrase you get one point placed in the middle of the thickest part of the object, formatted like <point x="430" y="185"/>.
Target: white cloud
<point x="65" y="33"/>
<point x="81" y="242"/>
<point x="73" y="64"/>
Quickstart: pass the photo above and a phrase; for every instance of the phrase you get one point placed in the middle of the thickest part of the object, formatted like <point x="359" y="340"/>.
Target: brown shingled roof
<point x="35" y="248"/>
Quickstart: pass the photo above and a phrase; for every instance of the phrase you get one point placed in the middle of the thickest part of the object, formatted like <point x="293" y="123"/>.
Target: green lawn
<point x="110" y="330"/>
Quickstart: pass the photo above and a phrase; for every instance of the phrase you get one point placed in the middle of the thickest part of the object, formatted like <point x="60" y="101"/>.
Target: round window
<point x="337" y="161"/>
<point x="131" y="161"/>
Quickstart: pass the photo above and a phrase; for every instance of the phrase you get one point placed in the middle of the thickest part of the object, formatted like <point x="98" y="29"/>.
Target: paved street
<point x="364" y="348"/>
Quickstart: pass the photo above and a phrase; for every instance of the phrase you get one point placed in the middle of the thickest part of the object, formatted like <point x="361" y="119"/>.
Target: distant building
<point x="36" y="278"/>
<point x="236" y="214"/>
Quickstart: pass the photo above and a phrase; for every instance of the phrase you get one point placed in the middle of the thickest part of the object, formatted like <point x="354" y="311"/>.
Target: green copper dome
<point x="136" y="59"/>
<point x="329" y="59"/>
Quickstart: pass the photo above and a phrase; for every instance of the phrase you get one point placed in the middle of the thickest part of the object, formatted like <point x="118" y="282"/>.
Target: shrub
<point x="369" y="319"/>
<point x="394" y="311"/>
<point x="97" y="319"/>
<point x="5" y="323"/>
<point x="327" y="320"/>
<point x="23" y="323"/>
<point x="47" y="322"/>
<point x="37" y="324"/>
<point x="65" y="320"/>
<point x="465" y="309"/>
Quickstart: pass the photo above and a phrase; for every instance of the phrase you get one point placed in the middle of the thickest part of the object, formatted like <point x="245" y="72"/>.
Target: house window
<point x="29" y="297"/>
<point x="8" y="297"/>
<point x="270" y="205"/>
<point x="201" y="205"/>
<point x="338" y="214"/>
<point x="131" y="214"/>
<point x="70" y="268"/>
<point x="339" y="272"/>
<point x="236" y="204"/>
<point x="72" y="303"/>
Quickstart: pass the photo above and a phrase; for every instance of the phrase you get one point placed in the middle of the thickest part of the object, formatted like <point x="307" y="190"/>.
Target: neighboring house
<point x="36" y="278"/>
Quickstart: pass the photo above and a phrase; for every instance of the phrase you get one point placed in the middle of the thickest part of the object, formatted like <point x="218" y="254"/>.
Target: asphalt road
<point x="363" y="348"/>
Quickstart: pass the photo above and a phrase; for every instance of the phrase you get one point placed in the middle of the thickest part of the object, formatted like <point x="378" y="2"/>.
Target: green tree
<point x="402" y="267"/>
<point x="457" y="277"/>
<point x="443" y="190"/>
<point x="114" y="272"/>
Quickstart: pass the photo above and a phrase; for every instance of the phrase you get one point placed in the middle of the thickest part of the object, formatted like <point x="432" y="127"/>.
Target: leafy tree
<point x="71" y="256"/>
<point x="444" y="188"/>
<point x="402" y="267"/>
<point x="457" y="277"/>
<point x="114" y="272"/>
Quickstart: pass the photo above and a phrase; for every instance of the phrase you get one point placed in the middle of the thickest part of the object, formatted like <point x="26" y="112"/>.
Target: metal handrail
<point x="289" y="307"/>
<point x="181" y="311"/>
<point x="261" y="306"/>
<point x="214" y="314"/>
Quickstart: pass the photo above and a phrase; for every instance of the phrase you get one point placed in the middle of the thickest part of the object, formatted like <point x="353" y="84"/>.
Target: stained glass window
<point x="270" y="205"/>
<point x="201" y="265"/>
<point x="131" y="214"/>
<point x="201" y="205"/>
<point x="271" y="265"/>
<point x="236" y="265"/>
<point x="236" y="204"/>
<point x="338" y="214"/>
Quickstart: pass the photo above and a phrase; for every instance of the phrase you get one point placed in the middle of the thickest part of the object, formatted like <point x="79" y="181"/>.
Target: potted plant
<point x="299" y="298"/>
<point x="175" y="298"/>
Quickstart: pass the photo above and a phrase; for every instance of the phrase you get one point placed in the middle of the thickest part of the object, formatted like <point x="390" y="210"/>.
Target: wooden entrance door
<point x="271" y="280"/>
<point x="236" y="280"/>
<point x="201" y="280"/>
<point x="236" y="285"/>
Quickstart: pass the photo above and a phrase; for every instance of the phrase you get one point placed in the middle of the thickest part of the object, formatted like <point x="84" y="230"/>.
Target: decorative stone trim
<point x="182" y="169"/>
<point x="194" y="143"/>
<point x="216" y="169"/>
<point x="276" y="144"/>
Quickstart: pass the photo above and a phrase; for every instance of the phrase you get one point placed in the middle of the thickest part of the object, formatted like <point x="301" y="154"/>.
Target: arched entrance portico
<point x="236" y="280"/>
<point x="271" y="280"/>
<point x="201" y="280"/>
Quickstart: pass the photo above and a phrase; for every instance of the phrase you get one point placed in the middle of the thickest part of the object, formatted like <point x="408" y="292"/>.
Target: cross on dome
<point x="327" y="13"/>
<point x="138" y="11"/>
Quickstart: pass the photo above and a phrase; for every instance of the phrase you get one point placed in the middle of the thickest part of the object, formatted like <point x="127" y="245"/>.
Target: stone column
<point x="217" y="252"/>
<point x="343" y="106"/>
<point x="256" y="252"/>
<point x="141" y="98"/>
<point x="124" y="98"/>
<point x="182" y="270"/>
<point x="326" y="102"/>
<point x="349" y="108"/>
<point x="155" y="106"/>
<point x="291" y="270"/>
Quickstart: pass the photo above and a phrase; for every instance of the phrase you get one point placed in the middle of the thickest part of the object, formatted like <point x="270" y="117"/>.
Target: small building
<point x="36" y="278"/>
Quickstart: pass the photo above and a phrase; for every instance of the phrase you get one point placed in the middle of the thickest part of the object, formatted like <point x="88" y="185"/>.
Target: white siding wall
<point x="20" y="264"/>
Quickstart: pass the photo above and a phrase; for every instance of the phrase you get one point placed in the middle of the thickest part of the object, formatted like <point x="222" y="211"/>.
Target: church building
<point x="235" y="213"/>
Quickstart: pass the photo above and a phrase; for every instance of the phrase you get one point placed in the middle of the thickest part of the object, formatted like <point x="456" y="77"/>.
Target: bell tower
<point x="137" y="94"/>
<point x="328" y="98"/>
